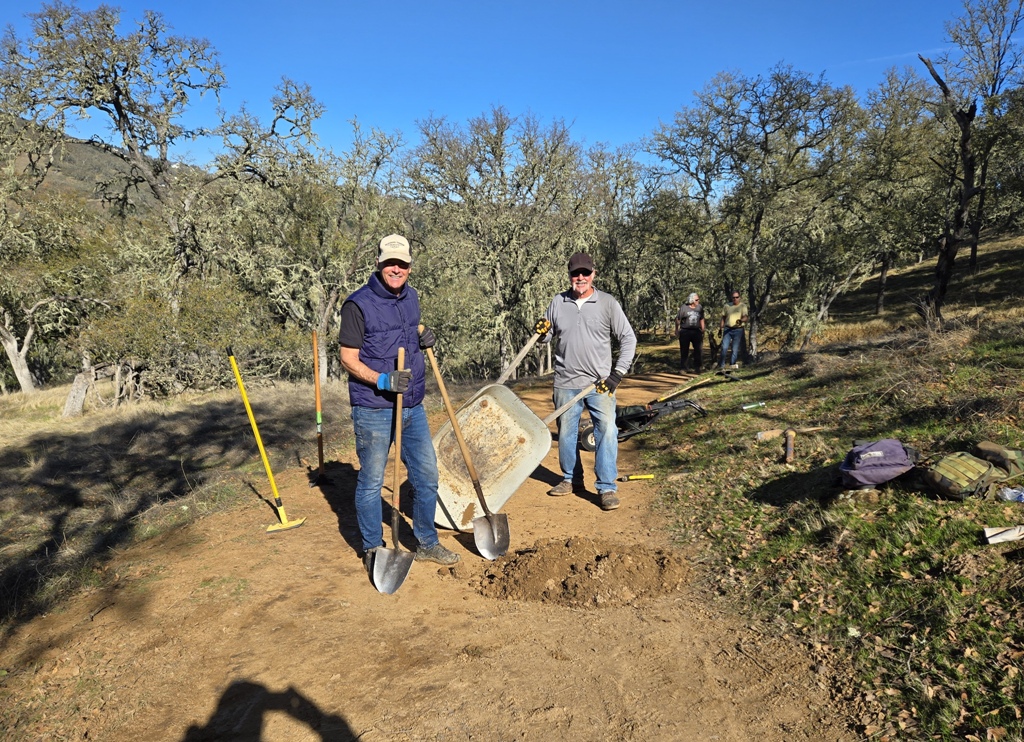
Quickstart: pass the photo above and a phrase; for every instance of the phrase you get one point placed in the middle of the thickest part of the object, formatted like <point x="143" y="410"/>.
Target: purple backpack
<point x="870" y="463"/>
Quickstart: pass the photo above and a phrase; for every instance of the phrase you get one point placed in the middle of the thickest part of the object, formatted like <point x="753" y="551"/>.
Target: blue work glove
<point x="427" y="338"/>
<point x="609" y="384"/>
<point x="542" y="326"/>
<point x="396" y="381"/>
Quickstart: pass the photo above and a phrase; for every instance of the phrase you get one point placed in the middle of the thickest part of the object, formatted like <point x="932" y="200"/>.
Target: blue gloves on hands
<point x="396" y="381"/>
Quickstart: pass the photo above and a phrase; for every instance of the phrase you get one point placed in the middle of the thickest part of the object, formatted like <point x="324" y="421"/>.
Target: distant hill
<point x="82" y="166"/>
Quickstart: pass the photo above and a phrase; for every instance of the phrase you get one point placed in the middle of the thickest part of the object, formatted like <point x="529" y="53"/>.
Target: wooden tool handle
<point x="398" y="456"/>
<point x="474" y="477"/>
<point x="767" y="435"/>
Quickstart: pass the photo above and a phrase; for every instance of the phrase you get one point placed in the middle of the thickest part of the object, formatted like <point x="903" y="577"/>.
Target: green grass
<point x="899" y="585"/>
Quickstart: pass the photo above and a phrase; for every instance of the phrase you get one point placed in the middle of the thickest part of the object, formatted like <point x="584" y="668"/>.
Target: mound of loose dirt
<point x="583" y="573"/>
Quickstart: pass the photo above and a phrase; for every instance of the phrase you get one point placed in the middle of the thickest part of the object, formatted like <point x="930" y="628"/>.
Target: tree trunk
<point x="979" y="215"/>
<point x="883" y="275"/>
<point x="960" y="233"/>
<point x="75" y="402"/>
<point x="18" y="363"/>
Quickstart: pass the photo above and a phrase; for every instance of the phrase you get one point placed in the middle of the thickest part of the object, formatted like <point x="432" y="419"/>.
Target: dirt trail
<point x="222" y="632"/>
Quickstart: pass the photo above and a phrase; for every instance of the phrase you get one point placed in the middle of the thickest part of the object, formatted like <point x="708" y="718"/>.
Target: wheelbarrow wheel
<point x="587" y="441"/>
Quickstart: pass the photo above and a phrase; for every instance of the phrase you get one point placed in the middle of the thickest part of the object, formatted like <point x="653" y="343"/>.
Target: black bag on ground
<point x="871" y="463"/>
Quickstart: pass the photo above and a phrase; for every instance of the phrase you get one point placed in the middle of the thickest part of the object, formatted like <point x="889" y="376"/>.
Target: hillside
<point x="735" y="594"/>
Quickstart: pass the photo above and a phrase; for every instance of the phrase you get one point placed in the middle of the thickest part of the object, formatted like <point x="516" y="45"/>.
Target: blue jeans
<point x="606" y="435"/>
<point x="732" y="338"/>
<point x="374" y="436"/>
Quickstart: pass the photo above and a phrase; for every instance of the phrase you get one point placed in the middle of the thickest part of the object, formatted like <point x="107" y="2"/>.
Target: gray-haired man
<point x="583" y="321"/>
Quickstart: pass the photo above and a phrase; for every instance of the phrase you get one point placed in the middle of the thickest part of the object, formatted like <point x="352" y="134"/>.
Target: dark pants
<point x="690" y="336"/>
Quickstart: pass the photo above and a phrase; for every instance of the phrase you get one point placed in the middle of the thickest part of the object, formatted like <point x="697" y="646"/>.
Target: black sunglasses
<point x="580" y="272"/>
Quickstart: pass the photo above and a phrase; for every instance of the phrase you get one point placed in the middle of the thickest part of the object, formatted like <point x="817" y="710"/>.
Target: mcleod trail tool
<point x="391" y="566"/>
<point x="285" y="524"/>
<point x="319" y="417"/>
<point x="490" y="532"/>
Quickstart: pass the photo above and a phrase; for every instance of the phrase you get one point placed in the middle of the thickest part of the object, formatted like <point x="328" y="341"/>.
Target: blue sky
<point x="612" y="70"/>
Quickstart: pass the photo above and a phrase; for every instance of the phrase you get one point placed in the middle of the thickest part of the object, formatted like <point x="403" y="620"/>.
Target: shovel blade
<point x="491" y="535"/>
<point x="390" y="568"/>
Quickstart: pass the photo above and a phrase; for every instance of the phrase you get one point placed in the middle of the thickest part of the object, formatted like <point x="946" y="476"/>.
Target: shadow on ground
<point x="242" y="707"/>
<point x="67" y="500"/>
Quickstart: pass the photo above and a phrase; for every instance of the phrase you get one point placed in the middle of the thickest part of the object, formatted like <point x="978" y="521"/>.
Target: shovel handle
<point x="518" y="359"/>
<point x="398" y="457"/>
<point x="319" y="414"/>
<point x="458" y="432"/>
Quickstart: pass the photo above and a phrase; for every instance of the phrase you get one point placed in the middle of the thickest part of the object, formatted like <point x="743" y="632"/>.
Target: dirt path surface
<point x="588" y="629"/>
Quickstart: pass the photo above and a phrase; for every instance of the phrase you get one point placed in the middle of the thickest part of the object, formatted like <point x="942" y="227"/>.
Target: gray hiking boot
<point x="437" y="554"/>
<point x="565" y="487"/>
<point x="609" y="500"/>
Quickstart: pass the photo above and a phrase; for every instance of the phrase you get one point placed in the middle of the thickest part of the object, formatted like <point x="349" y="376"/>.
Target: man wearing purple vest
<point x="376" y="321"/>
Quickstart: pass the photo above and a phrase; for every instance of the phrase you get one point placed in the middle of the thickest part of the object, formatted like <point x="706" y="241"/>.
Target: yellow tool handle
<point x="255" y="430"/>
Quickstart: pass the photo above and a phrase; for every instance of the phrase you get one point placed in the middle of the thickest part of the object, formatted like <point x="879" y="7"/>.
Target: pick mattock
<point x="285" y="524"/>
<point x="391" y="566"/>
<point x="319" y="416"/>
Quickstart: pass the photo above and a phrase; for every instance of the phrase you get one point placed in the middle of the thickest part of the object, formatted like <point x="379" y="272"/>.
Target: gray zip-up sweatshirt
<point x="583" y="338"/>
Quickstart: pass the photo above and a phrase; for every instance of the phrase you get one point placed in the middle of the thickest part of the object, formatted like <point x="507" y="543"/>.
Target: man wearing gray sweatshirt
<point x="582" y="321"/>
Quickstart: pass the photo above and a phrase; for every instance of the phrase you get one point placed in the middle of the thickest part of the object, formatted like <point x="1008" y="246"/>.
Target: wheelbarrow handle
<point x="518" y="359"/>
<point x="561" y="410"/>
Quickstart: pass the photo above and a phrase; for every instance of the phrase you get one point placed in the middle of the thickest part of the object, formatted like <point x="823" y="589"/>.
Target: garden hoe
<point x="391" y="566"/>
<point x="491" y="531"/>
<point x="285" y="524"/>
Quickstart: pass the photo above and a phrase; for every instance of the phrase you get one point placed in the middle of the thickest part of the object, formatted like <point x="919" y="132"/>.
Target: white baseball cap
<point x="394" y="247"/>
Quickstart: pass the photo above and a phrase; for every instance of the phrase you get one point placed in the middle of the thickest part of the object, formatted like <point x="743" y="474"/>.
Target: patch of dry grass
<point x="75" y="488"/>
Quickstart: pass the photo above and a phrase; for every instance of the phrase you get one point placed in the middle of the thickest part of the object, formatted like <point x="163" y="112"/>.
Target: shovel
<point x="490" y="532"/>
<point x="391" y="566"/>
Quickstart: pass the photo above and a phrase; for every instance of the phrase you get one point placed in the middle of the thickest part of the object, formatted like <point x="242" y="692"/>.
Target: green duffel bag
<point x="960" y="475"/>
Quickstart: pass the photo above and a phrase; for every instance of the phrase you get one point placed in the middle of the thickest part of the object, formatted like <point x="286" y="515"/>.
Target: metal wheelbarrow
<point x="507" y="441"/>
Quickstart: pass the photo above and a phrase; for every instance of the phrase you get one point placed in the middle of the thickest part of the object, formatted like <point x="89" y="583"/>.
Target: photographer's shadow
<point x="242" y="707"/>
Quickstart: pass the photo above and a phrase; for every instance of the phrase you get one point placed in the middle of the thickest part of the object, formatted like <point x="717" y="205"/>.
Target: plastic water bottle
<point x="1012" y="494"/>
<point x="751" y="406"/>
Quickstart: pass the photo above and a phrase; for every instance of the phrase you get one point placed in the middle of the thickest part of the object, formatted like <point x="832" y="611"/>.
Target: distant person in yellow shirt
<point x="734" y="317"/>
